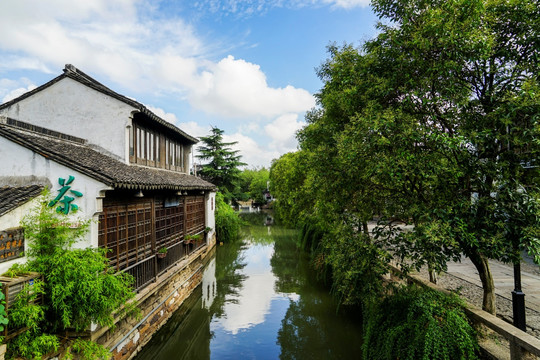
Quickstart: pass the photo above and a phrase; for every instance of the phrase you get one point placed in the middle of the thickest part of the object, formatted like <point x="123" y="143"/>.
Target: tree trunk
<point x="432" y="275"/>
<point x="365" y="227"/>
<point x="482" y="265"/>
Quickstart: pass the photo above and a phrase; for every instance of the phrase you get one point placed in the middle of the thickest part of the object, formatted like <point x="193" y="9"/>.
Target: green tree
<point x="78" y="288"/>
<point x="222" y="167"/>
<point x="467" y="72"/>
<point x="429" y="123"/>
<point x="254" y="183"/>
<point x="287" y="182"/>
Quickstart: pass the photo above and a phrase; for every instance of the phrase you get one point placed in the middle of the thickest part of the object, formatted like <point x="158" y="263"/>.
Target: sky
<point x="247" y="67"/>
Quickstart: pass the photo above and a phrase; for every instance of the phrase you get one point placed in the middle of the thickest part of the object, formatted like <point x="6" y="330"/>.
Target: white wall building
<point x="111" y="158"/>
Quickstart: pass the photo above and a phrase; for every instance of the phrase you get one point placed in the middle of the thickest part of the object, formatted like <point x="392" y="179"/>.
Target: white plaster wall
<point x="74" y="109"/>
<point x="211" y="210"/>
<point x="19" y="161"/>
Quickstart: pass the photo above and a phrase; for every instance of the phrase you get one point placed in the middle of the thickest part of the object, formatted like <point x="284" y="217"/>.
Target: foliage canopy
<point x="227" y="220"/>
<point x="222" y="168"/>
<point x="433" y="123"/>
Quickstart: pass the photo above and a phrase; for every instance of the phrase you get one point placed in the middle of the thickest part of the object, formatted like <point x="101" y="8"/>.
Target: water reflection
<point x="208" y="284"/>
<point x="258" y="300"/>
<point x="252" y="302"/>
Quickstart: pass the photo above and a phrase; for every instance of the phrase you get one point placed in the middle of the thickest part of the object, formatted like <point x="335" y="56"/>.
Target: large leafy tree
<point x="222" y="163"/>
<point x="431" y="123"/>
<point x="253" y="184"/>
<point x="287" y="184"/>
<point x="467" y="72"/>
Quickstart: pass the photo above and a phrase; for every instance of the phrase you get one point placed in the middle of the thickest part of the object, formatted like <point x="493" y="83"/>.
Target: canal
<point x="259" y="299"/>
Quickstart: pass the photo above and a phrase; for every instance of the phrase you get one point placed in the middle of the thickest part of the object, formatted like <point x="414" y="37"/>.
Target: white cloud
<point x="12" y="94"/>
<point x="10" y="62"/>
<point x="248" y="8"/>
<point x="253" y="152"/>
<point x="170" y="117"/>
<point x="250" y="127"/>
<point x="194" y="129"/>
<point x="119" y="41"/>
<point x="255" y="296"/>
<point x="347" y="4"/>
<point x="282" y="132"/>
<point x="106" y="37"/>
<point x="238" y="88"/>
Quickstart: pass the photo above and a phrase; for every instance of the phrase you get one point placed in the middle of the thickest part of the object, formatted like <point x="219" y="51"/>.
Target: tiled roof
<point x="108" y="170"/>
<point x="13" y="196"/>
<point x="72" y="72"/>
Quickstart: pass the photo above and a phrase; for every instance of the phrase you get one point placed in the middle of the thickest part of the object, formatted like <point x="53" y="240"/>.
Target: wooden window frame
<point x="152" y="148"/>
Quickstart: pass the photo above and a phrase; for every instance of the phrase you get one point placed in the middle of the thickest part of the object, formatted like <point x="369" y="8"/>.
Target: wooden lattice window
<point x="195" y="217"/>
<point x="169" y="223"/>
<point x="11" y="244"/>
<point x="126" y="230"/>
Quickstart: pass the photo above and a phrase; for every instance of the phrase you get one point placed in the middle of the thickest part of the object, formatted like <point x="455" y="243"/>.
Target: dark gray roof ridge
<point x="14" y="180"/>
<point x="73" y="73"/>
<point x="38" y="129"/>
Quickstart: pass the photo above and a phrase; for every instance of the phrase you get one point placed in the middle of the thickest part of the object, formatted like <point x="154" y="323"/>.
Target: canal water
<point x="259" y="299"/>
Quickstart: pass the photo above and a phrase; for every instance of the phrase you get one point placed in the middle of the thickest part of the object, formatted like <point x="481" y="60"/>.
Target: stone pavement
<point x="503" y="276"/>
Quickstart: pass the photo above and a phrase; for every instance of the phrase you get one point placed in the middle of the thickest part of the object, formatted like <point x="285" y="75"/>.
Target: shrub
<point x="3" y="314"/>
<point x="26" y="312"/>
<point x="80" y="287"/>
<point x="88" y="350"/>
<point x="83" y="289"/>
<point x="31" y="345"/>
<point x="416" y="323"/>
<point x="227" y="221"/>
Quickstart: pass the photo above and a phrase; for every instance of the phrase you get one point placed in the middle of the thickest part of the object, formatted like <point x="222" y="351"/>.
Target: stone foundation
<point x="157" y="303"/>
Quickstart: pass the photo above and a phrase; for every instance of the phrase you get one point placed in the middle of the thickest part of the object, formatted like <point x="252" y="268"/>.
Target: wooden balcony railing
<point x="174" y="254"/>
<point x="147" y="271"/>
<point x="144" y="272"/>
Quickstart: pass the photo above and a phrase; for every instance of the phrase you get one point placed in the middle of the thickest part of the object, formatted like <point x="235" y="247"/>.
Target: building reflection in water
<point x="209" y="284"/>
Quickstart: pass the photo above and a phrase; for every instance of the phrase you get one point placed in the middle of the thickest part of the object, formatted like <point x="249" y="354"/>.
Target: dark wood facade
<point x="11" y="244"/>
<point x="133" y="230"/>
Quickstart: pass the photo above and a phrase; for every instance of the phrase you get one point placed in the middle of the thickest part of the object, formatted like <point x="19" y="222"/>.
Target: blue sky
<point x="245" y="66"/>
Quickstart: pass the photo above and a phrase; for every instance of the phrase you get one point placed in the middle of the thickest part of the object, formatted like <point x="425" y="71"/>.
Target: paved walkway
<point x="503" y="276"/>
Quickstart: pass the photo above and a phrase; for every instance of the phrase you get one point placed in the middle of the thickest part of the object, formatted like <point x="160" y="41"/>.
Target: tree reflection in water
<point x="312" y="328"/>
<point x="229" y="275"/>
<point x="267" y="305"/>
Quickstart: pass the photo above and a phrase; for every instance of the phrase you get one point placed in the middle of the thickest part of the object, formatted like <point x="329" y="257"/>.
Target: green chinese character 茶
<point x="64" y="199"/>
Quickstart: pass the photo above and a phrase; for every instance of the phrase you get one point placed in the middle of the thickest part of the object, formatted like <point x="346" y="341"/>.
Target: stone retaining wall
<point x="157" y="303"/>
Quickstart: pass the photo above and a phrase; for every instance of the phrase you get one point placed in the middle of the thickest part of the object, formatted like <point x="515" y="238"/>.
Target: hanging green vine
<point x="417" y="323"/>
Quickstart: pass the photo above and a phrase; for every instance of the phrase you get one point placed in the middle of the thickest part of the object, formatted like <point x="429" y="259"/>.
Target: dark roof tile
<point x="108" y="170"/>
<point x="14" y="196"/>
